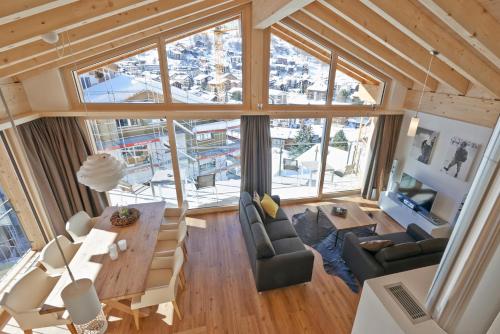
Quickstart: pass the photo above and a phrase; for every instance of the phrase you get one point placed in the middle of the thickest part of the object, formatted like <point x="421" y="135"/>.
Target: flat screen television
<point x="417" y="192"/>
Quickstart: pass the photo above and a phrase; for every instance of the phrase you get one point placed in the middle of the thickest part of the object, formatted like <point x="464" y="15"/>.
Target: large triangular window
<point x="295" y="76"/>
<point x="207" y="67"/>
<point x="355" y="86"/>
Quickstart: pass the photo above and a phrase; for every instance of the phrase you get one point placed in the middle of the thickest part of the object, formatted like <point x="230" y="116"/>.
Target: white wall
<point x="46" y="91"/>
<point x="450" y="190"/>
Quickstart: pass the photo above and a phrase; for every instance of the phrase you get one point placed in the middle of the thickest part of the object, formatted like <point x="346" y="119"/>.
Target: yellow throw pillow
<point x="269" y="206"/>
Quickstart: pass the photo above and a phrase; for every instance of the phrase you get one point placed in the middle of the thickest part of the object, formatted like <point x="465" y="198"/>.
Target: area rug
<point x="316" y="231"/>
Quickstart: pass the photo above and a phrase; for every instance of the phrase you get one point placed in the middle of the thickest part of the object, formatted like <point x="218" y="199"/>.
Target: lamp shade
<point x="412" y="129"/>
<point x="81" y="301"/>
<point x="101" y="172"/>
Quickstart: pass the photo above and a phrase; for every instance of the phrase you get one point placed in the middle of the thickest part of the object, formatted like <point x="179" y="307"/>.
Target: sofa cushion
<point x="269" y="206"/>
<point x="288" y="245"/>
<point x="397" y="238"/>
<point x="375" y="245"/>
<point x="252" y="214"/>
<point x="280" y="229"/>
<point x="258" y="206"/>
<point x="262" y="243"/>
<point x="280" y="215"/>
<point x="398" y="252"/>
<point x="433" y="245"/>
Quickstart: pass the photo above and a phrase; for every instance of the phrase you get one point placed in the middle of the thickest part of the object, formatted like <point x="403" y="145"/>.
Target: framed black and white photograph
<point x="423" y="144"/>
<point x="459" y="158"/>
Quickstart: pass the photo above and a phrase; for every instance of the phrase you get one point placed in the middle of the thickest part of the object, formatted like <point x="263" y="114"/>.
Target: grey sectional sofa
<point x="412" y="249"/>
<point x="277" y="256"/>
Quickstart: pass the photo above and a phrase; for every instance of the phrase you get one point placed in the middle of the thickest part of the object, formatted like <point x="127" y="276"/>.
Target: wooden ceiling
<point x="388" y="38"/>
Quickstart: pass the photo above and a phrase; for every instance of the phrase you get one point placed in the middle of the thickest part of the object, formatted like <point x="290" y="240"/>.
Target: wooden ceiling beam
<point x="102" y="26"/>
<point x="378" y="28"/>
<point x="340" y="43"/>
<point x="130" y="34"/>
<point x="419" y="24"/>
<point x="308" y="33"/>
<point x="312" y="48"/>
<point x="11" y="10"/>
<point x="169" y="30"/>
<point x="265" y="13"/>
<point x="61" y="18"/>
<point x="363" y="40"/>
<point x="472" y="22"/>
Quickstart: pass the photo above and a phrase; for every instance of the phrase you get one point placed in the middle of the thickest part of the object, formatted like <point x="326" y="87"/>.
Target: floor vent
<point x="407" y="302"/>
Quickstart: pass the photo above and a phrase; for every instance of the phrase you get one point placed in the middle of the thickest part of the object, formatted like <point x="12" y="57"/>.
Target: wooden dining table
<point x="120" y="279"/>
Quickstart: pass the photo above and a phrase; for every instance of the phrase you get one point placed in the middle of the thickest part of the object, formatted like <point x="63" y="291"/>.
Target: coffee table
<point x="355" y="218"/>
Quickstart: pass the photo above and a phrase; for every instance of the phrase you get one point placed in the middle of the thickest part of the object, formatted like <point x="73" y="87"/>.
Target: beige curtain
<point x="56" y="148"/>
<point x="382" y="149"/>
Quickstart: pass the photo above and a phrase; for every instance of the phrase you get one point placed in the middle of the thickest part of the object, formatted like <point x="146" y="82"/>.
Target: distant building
<point x="317" y="91"/>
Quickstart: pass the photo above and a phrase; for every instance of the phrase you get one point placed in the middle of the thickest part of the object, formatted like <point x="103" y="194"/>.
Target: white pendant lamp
<point x="101" y="172"/>
<point x="81" y="301"/>
<point x="412" y="129"/>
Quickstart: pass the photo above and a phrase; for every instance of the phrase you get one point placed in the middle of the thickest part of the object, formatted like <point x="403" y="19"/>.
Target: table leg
<point x="336" y="238"/>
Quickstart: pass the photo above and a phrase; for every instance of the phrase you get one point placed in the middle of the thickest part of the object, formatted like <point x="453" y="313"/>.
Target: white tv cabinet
<point x="405" y="216"/>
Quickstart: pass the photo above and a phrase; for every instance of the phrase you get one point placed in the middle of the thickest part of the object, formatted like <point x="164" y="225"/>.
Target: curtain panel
<point x="256" y="163"/>
<point x="56" y="148"/>
<point x="382" y="149"/>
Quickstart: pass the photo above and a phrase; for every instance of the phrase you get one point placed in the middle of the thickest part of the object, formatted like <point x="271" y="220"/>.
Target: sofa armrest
<point x="361" y="262"/>
<point x="417" y="233"/>
<point x="276" y="199"/>
<point x="284" y="269"/>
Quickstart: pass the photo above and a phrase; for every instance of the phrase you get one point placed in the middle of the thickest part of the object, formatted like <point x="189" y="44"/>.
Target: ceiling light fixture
<point x="412" y="129"/>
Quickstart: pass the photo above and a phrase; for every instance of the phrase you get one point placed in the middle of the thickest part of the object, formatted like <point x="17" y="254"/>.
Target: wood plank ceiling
<point x="387" y="38"/>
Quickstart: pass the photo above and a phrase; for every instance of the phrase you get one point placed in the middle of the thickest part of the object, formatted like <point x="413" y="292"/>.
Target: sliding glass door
<point x="143" y="145"/>
<point x="348" y="150"/>
<point x="13" y="241"/>
<point x="296" y="156"/>
<point x="209" y="161"/>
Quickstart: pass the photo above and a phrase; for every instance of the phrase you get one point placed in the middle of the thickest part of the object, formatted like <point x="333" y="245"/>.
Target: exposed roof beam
<point x="363" y="40"/>
<point x="59" y="18"/>
<point x="343" y="44"/>
<point x="11" y="10"/>
<point x="417" y="23"/>
<point x="168" y="30"/>
<point x="478" y="111"/>
<point x="309" y="33"/>
<point x="265" y="12"/>
<point x="130" y="33"/>
<point x="312" y="48"/>
<point x="96" y="28"/>
<point x="472" y="22"/>
<point x="378" y="28"/>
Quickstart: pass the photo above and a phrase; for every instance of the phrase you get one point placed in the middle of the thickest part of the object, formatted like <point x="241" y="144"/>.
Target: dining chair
<point x="164" y="278"/>
<point x="51" y="258"/>
<point x="79" y="225"/>
<point x="25" y="299"/>
<point x="168" y="240"/>
<point x="173" y="222"/>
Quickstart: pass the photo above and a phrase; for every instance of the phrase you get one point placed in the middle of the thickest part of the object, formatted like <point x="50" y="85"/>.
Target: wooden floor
<point x="221" y="297"/>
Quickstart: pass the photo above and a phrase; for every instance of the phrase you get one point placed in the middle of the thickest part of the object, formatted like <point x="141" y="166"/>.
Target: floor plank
<point x="221" y="297"/>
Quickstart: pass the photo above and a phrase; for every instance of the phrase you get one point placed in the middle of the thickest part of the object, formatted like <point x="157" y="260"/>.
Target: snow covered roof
<point x="318" y="86"/>
<point x="222" y="125"/>
<point x="119" y="89"/>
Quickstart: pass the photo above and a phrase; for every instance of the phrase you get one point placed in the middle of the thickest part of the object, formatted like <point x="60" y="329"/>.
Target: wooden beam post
<point x="266" y="13"/>
<point x="418" y="23"/>
<point x="379" y="29"/>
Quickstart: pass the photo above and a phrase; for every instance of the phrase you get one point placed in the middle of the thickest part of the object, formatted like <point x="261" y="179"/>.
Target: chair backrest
<point x="290" y="164"/>
<point x="50" y="256"/>
<point x="79" y="225"/>
<point x="181" y="232"/>
<point x="178" y="262"/>
<point x="29" y="292"/>
<point x="205" y="181"/>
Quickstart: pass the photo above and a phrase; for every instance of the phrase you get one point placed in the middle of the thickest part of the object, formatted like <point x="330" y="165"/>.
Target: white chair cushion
<point x="158" y="277"/>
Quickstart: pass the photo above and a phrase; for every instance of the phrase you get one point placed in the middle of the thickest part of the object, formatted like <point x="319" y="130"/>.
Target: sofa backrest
<point x="398" y="252"/>
<point x="258" y="243"/>
<point x="433" y="245"/>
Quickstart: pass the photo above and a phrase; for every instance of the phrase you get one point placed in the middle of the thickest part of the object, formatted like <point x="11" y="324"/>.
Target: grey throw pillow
<point x="258" y="206"/>
<point x="375" y="245"/>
